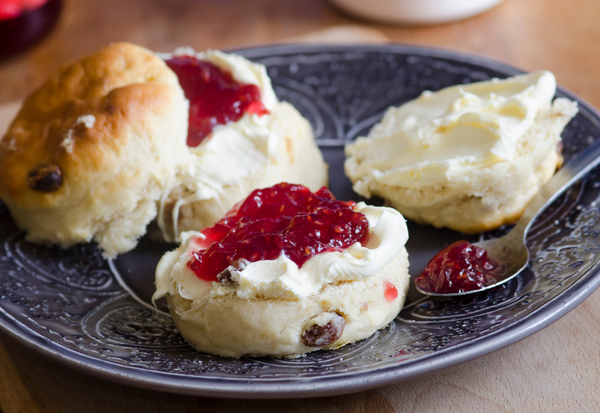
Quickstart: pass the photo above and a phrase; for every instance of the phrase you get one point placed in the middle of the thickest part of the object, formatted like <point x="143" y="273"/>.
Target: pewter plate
<point x="95" y="315"/>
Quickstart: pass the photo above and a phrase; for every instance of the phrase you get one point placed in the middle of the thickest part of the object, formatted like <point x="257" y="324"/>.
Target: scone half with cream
<point x="467" y="157"/>
<point x="241" y="137"/>
<point x="287" y="272"/>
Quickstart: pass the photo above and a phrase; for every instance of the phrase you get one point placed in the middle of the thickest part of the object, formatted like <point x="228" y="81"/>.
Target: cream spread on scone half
<point x="467" y="157"/>
<point x="241" y="138"/>
<point x="287" y="272"/>
<point x="94" y="148"/>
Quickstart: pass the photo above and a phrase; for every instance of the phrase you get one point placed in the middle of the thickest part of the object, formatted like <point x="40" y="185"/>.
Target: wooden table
<point x="556" y="369"/>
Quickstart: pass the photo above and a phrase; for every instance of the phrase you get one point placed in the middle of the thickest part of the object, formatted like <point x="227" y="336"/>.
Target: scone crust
<point x="234" y="327"/>
<point x="114" y="123"/>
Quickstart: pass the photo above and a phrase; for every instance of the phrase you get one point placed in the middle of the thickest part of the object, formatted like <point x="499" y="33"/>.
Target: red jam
<point x="286" y="219"/>
<point x="389" y="291"/>
<point x="458" y="268"/>
<point x="215" y="97"/>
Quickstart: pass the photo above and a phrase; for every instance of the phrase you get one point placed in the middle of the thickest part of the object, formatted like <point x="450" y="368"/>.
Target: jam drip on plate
<point x="215" y="97"/>
<point x="459" y="267"/>
<point x="285" y="218"/>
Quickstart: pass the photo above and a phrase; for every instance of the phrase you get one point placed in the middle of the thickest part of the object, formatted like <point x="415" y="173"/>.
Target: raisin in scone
<point x="93" y="149"/>
<point x="467" y="157"/>
<point x="287" y="272"/>
<point x="240" y="137"/>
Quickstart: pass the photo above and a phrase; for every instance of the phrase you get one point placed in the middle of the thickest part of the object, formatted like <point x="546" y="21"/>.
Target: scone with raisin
<point x="467" y="157"/>
<point x="287" y="272"/>
<point x="93" y="149"/>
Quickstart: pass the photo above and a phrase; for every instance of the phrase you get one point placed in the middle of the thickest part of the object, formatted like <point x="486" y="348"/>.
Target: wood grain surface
<point x="555" y="370"/>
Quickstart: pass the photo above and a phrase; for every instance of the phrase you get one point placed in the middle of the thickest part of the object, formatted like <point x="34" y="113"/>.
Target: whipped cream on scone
<point x="276" y="307"/>
<point x="255" y="151"/>
<point x="468" y="157"/>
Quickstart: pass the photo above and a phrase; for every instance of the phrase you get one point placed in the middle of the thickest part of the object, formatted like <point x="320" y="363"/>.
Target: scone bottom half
<point x="467" y="157"/>
<point x="92" y="150"/>
<point x="287" y="272"/>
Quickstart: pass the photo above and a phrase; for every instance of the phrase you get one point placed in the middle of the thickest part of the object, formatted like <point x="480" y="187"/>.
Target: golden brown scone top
<point x="50" y="142"/>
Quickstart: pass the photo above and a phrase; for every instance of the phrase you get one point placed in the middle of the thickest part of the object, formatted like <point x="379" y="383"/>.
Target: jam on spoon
<point x="459" y="267"/>
<point x="283" y="219"/>
<point x="216" y="98"/>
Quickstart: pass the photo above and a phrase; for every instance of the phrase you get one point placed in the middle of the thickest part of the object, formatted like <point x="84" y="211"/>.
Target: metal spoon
<point x="511" y="250"/>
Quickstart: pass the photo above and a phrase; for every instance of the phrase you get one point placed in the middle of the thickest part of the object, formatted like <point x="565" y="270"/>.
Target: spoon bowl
<point x="510" y="251"/>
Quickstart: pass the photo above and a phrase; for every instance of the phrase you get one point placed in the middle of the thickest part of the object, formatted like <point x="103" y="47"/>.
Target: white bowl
<point x="415" y="11"/>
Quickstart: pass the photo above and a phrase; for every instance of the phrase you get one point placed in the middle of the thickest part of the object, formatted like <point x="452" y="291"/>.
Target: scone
<point x="93" y="149"/>
<point x="241" y="138"/>
<point x="287" y="272"/>
<point x="467" y="157"/>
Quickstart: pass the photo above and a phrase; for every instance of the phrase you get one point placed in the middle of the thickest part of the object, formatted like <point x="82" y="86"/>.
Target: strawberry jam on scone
<point x="285" y="272"/>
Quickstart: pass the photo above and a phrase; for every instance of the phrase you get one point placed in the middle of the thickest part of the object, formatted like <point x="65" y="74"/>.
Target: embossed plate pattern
<point x="95" y="316"/>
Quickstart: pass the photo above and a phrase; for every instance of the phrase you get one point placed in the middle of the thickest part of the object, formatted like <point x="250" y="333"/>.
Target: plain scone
<point x="92" y="150"/>
<point x="230" y="326"/>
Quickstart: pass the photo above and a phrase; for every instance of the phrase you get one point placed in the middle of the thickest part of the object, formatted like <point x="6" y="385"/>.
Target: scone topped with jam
<point x="287" y="272"/>
<point x="467" y="157"/>
<point x="93" y="149"/>
<point x="241" y="137"/>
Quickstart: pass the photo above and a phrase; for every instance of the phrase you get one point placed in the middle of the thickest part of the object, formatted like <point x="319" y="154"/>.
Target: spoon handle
<point x="570" y="173"/>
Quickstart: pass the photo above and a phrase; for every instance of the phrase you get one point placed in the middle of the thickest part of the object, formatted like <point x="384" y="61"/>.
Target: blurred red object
<point x="25" y="22"/>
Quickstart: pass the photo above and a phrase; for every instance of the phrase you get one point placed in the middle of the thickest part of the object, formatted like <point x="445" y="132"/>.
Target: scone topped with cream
<point x="467" y="157"/>
<point x="241" y="138"/>
<point x="287" y="272"/>
<point x="94" y="148"/>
